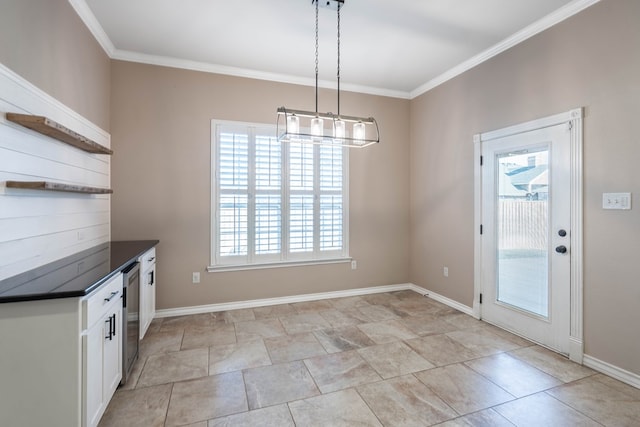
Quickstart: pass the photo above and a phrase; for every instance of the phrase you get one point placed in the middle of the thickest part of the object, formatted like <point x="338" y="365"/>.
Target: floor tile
<point x="386" y="331"/>
<point x="308" y="322"/>
<point x="633" y="392"/>
<point x="134" y="375"/>
<point x="519" y="341"/>
<point x="600" y="402"/>
<point x="394" y="359"/>
<point x="407" y="294"/>
<point x="380" y="299"/>
<point x="343" y="339"/>
<point x="552" y="363"/>
<point x="258" y="329"/>
<point x="347" y="302"/>
<point x="482" y="341"/>
<point x="273" y="416"/>
<point x="515" y="376"/>
<point x="155" y="325"/>
<point x="205" y="336"/>
<point x="405" y="401"/>
<point x="378" y="313"/>
<point x="463" y="389"/>
<point x="175" y="366"/>
<point x="463" y="321"/>
<point x="273" y="311"/>
<point x="441" y="350"/>
<point x="144" y="407"/>
<point x="485" y="418"/>
<point x="340" y="370"/>
<point x="311" y="306"/>
<point x="288" y="348"/>
<point x="241" y="315"/>
<point x="235" y="357"/>
<point x="160" y="342"/>
<point x="342" y="408"/>
<point x="542" y="410"/>
<point x="413" y="307"/>
<point x="427" y="324"/>
<point x="206" y="398"/>
<point x="271" y="385"/>
<point x="181" y="322"/>
<point x="340" y="319"/>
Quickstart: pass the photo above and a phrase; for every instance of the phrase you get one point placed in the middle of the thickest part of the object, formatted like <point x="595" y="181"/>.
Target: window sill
<point x="241" y="267"/>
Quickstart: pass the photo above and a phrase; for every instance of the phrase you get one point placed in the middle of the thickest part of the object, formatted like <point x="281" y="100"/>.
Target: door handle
<point x="562" y="249"/>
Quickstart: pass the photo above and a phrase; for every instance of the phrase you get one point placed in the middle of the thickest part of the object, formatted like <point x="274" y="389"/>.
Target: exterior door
<point x="526" y="228"/>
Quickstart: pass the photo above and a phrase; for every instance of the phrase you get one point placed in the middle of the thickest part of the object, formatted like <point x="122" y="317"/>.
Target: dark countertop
<point x="74" y="276"/>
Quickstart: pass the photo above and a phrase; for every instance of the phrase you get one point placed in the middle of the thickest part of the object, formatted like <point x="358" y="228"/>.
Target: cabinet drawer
<point x="97" y="304"/>
<point x="147" y="259"/>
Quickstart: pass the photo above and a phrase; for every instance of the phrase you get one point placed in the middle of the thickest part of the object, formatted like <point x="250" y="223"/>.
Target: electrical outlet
<point x="195" y="278"/>
<point x="445" y="271"/>
<point x="354" y="264"/>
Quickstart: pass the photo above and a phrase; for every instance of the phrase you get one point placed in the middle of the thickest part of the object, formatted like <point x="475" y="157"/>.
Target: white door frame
<point x="573" y="118"/>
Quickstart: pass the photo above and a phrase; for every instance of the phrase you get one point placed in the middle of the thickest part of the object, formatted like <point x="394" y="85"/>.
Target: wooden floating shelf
<point x="55" y="130"/>
<point x="54" y="186"/>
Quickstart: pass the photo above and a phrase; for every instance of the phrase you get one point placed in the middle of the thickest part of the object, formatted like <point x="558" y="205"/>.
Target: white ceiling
<point x="398" y="48"/>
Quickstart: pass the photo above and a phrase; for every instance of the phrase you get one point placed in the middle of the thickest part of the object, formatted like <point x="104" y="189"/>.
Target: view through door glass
<point x="523" y="230"/>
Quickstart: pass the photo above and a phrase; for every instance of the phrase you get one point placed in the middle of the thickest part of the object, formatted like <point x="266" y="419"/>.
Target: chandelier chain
<point x="339" y="59"/>
<point x="317" y="56"/>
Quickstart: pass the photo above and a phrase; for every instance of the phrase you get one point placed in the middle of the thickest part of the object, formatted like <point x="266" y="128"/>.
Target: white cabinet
<point x="58" y="368"/>
<point x="147" y="289"/>
<point x="102" y="349"/>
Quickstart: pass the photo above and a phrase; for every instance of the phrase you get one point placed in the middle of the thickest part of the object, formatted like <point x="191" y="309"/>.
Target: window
<point x="275" y="203"/>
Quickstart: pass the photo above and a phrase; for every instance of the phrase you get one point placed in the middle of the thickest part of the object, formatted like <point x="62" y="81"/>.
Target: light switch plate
<point x="616" y="201"/>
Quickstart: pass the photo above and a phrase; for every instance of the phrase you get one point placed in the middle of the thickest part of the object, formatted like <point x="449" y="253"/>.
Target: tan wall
<point x="591" y="60"/>
<point x="161" y="178"/>
<point x="45" y="42"/>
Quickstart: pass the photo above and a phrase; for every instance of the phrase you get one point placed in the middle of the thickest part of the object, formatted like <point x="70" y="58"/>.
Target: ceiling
<point x="397" y="48"/>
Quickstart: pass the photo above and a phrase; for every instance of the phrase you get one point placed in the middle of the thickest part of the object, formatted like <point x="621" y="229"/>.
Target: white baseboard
<point x="236" y="305"/>
<point x="212" y="308"/>
<point x="447" y="301"/>
<point x="612" y="371"/>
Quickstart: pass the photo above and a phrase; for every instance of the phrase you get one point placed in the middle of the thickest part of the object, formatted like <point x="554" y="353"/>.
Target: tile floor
<point x="393" y="359"/>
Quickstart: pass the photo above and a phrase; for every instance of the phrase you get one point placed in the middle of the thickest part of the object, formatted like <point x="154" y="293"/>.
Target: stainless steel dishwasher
<point x="130" y="318"/>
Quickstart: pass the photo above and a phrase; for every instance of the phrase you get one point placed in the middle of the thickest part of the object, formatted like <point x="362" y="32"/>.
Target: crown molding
<point x="548" y="21"/>
<point x="89" y="19"/>
<point x="165" y="61"/>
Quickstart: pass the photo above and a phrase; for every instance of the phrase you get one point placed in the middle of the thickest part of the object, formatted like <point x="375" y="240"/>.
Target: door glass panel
<point x="523" y="230"/>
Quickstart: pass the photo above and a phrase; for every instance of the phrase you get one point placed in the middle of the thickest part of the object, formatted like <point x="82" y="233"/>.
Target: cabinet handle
<point x="114" y="324"/>
<point x="108" y="337"/>
<point x="113" y="294"/>
<point x="151" y="259"/>
<point x="151" y="278"/>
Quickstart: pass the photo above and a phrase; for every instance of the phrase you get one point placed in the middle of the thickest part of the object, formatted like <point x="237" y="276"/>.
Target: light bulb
<point x="293" y="124"/>
<point x="359" y="131"/>
<point x="339" y="129"/>
<point x="317" y="126"/>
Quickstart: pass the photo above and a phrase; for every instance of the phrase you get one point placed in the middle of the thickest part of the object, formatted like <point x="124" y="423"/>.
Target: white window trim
<point x="292" y="260"/>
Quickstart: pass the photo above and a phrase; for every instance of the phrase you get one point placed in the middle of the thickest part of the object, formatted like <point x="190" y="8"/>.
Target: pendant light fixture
<point x="326" y="128"/>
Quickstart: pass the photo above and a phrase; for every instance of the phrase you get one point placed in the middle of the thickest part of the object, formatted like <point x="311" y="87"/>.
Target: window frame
<point x="285" y="258"/>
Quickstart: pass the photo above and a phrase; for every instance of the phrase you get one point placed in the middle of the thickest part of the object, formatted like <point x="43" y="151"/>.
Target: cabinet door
<point x="113" y="353"/>
<point x="147" y="298"/>
<point x="94" y="402"/>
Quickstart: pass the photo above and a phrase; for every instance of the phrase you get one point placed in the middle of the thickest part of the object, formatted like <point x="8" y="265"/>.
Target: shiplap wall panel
<point x="38" y="227"/>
